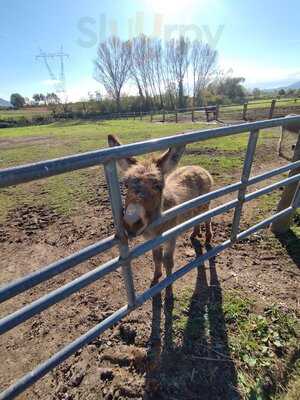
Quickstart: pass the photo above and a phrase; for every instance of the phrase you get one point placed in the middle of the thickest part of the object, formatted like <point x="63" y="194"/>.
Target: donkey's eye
<point x="158" y="186"/>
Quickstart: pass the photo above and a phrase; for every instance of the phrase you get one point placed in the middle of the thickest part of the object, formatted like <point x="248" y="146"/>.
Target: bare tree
<point x="112" y="66"/>
<point x="203" y="64"/>
<point x="177" y="63"/>
<point x="141" y="54"/>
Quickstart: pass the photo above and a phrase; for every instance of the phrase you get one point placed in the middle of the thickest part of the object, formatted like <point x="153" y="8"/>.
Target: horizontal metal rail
<point x="42" y="369"/>
<point x="16" y="175"/>
<point x="43" y="169"/>
<point x="20" y="285"/>
<point x="57" y="295"/>
<point x="63" y="292"/>
<point x="11" y="289"/>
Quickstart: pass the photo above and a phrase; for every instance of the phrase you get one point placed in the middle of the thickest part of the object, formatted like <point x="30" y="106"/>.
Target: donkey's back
<point x="184" y="184"/>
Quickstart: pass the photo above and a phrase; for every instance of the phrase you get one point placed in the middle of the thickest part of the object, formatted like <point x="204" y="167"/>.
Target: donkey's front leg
<point x="168" y="257"/>
<point x="157" y="258"/>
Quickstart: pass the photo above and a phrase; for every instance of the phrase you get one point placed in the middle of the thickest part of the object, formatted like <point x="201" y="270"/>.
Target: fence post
<point x="207" y="114"/>
<point x="245" y="108"/>
<point x="141" y="115"/>
<point x="176" y="116"/>
<point x="193" y="115"/>
<point x="151" y="116"/>
<point x="117" y="211"/>
<point x="217" y="112"/>
<point x="272" y="108"/>
<point x="244" y="179"/>
<point x="164" y="115"/>
<point x="289" y="197"/>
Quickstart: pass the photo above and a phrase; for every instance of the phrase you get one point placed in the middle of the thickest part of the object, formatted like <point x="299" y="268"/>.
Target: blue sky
<point x="257" y="39"/>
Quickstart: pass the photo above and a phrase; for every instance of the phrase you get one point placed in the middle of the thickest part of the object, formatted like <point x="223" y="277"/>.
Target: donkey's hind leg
<point x="196" y="232"/>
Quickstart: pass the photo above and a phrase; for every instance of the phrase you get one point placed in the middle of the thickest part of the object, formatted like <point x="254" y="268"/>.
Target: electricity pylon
<point x="59" y="79"/>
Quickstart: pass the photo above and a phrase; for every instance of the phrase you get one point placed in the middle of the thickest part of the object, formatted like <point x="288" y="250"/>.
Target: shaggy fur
<point x="153" y="186"/>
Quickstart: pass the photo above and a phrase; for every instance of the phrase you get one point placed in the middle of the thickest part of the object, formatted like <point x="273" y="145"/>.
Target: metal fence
<point x="108" y="158"/>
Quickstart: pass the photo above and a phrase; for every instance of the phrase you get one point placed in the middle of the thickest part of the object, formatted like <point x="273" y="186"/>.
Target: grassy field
<point x="31" y="112"/>
<point x="64" y="193"/>
<point x="257" y="104"/>
<point x="23" y="113"/>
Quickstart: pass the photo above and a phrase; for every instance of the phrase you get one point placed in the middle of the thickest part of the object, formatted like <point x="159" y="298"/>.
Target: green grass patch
<point x="262" y="344"/>
<point x="217" y="164"/>
<point x="35" y="143"/>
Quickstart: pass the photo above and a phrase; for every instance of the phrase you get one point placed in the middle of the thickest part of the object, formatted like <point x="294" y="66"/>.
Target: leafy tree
<point x="52" y="98"/>
<point x="17" y="100"/>
<point x="231" y="88"/>
<point x="256" y="93"/>
<point x="281" y="92"/>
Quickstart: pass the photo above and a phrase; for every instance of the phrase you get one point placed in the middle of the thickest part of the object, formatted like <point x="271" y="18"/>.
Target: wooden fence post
<point x="193" y="115"/>
<point x="282" y="225"/>
<point x="141" y="115"/>
<point x="164" y="116"/>
<point x="151" y="116"/>
<point x="245" y="108"/>
<point x="217" y="112"/>
<point x="272" y="108"/>
<point x="176" y="116"/>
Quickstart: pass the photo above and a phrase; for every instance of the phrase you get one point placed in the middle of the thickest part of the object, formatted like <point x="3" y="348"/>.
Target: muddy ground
<point x="140" y="358"/>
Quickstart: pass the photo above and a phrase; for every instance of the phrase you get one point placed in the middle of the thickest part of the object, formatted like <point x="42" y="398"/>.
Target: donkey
<point x="292" y="127"/>
<point x="152" y="187"/>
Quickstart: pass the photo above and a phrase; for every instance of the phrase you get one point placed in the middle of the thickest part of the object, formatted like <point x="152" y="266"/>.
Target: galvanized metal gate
<point x="108" y="158"/>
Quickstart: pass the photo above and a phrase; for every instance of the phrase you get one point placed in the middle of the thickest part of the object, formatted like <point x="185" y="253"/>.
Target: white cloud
<point x="257" y="74"/>
<point x="50" y="82"/>
<point x="81" y="90"/>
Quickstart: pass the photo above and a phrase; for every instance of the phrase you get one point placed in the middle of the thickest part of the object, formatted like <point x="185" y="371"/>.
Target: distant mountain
<point x="295" y="85"/>
<point x="5" y="104"/>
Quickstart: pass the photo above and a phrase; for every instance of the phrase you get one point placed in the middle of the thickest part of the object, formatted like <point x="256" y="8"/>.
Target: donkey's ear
<point x="169" y="160"/>
<point x="124" y="163"/>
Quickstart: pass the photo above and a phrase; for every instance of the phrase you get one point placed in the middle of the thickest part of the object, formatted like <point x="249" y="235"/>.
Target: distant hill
<point x="5" y="104"/>
<point x="295" y="85"/>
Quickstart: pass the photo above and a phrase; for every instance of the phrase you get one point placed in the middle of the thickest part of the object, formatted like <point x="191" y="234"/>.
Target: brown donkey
<point x="152" y="187"/>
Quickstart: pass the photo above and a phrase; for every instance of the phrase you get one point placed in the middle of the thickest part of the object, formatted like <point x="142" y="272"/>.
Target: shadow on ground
<point x="291" y="242"/>
<point x="196" y="363"/>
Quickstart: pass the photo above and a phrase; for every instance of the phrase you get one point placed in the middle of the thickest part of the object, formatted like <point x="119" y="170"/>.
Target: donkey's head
<point x="144" y="181"/>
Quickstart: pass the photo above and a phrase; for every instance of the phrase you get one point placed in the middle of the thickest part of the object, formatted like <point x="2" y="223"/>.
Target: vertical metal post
<point x="117" y="211"/>
<point x="288" y="197"/>
<point x="244" y="179"/>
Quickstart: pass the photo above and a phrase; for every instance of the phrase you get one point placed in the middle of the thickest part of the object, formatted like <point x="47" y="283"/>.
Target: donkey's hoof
<point x="208" y="239"/>
<point x="155" y="280"/>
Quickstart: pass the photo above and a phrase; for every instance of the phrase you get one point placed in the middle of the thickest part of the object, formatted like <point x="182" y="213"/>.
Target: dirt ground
<point x="139" y="358"/>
